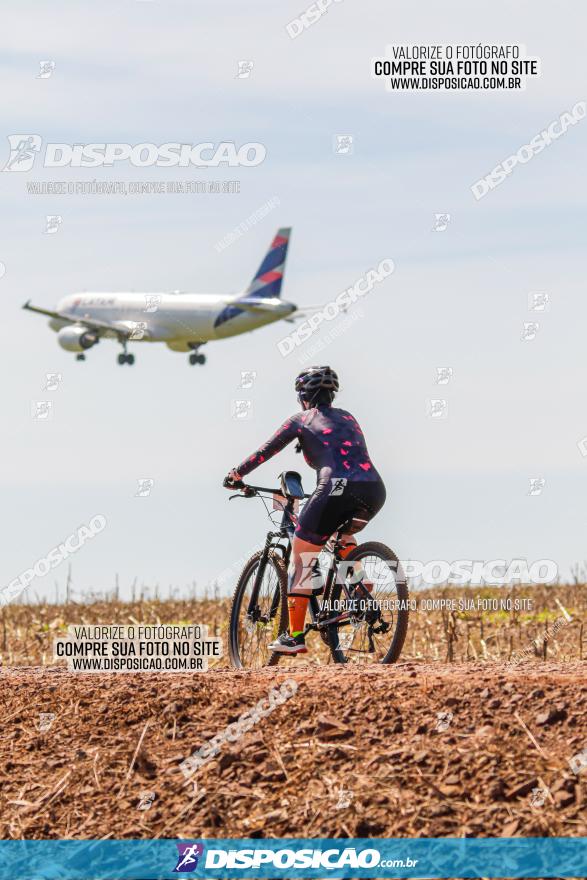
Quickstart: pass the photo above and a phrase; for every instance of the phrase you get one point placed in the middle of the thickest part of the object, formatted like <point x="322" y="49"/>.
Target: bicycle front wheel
<point x="374" y="621"/>
<point x="251" y="630"/>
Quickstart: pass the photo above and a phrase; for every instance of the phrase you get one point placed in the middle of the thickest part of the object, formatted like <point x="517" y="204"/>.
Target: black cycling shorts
<point x="337" y="501"/>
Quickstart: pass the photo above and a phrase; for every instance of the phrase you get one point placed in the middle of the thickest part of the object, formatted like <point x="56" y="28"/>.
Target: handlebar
<point x="250" y="491"/>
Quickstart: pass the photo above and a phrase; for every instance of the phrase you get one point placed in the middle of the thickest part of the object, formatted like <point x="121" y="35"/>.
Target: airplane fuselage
<point x="178" y="319"/>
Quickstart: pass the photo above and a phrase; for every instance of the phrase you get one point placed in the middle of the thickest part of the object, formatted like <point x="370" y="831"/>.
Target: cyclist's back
<point x="347" y="485"/>
<point x="333" y="444"/>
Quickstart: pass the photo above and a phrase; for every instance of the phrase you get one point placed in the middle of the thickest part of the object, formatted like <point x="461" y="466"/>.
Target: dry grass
<point x="502" y="634"/>
<point x="27" y="631"/>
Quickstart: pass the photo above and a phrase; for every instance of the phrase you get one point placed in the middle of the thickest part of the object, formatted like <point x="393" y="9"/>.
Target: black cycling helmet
<point x="314" y="380"/>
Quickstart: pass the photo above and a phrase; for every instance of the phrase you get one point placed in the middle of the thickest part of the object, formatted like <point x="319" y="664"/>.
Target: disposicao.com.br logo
<point x="25" y="148"/>
<point x="286" y="859"/>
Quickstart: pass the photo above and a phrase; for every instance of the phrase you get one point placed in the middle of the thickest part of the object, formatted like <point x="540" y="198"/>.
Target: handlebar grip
<point x="232" y="484"/>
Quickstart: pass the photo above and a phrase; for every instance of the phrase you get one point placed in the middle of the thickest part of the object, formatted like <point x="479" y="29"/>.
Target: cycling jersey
<point x="348" y="485"/>
<point x="331" y="440"/>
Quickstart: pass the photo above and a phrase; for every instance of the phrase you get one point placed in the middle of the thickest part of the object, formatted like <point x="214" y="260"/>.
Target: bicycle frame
<point x="358" y="606"/>
<point x="273" y="542"/>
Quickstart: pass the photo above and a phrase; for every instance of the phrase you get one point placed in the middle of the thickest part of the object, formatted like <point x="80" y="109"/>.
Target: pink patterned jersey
<point x="331" y="440"/>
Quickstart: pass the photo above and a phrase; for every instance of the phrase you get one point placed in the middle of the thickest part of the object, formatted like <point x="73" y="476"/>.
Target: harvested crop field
<point x="27" y="631"/>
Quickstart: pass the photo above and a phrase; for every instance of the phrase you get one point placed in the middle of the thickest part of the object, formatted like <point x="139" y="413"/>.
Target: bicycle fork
<point x="253" y="610"/>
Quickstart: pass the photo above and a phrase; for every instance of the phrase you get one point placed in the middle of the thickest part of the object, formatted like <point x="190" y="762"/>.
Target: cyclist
<point x="348" y="488"/>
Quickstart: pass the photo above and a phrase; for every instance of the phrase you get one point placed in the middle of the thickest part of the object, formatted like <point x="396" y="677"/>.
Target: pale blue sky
<point x="166" y="71"/>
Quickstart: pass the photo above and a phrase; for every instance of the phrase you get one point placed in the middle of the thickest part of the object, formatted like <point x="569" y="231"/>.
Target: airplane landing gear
<point x="80" y="357"/>
<point x="124" y="357"/>
<point x="194" y="357"/>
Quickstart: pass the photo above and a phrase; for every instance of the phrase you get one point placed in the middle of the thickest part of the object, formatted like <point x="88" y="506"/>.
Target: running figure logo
<point x="23" y="150"/>
<point x="189" y="854"/>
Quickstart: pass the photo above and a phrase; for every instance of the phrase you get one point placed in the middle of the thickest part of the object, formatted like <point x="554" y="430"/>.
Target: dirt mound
<point x="398" y="751"/>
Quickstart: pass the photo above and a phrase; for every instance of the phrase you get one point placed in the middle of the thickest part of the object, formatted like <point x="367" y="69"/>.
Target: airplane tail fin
<point x="269" y="277"/>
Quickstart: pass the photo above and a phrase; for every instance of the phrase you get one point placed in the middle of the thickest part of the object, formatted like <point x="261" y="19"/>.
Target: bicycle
<point x="349" y="607"/>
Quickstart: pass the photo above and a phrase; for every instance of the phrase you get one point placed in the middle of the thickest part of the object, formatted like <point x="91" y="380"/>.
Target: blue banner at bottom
<point x="292" y="858"/>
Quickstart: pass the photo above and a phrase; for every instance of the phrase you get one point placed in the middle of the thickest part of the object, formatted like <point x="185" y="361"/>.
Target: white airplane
<point x="183" y="321"/>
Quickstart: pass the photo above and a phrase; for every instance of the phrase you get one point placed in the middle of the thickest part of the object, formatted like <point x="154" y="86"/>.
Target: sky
<point x="161" y="71"/>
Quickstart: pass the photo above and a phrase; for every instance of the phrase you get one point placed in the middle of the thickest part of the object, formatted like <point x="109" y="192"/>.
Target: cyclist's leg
<point x="302" y="582"/>
<point x="366" y="501"/>
<point x="304" y="579"/>
<point x="320" y="518"/>
<point x="349" y="543"/>
<point x="304" y="575"/>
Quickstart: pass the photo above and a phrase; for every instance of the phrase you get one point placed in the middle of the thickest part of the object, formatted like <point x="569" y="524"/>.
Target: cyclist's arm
<point x="283" y="436"/>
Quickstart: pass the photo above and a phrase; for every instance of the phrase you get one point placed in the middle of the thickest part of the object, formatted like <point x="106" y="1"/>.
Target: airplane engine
<point x="76" y="338"/>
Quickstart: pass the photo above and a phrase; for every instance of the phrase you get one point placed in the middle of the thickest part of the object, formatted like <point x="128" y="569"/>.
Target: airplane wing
<point x="49" y="314"/>
<point x="92" y="324"/>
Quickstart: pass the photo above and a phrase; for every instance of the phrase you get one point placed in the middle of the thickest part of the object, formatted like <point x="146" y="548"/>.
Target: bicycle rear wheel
<point x="373" y="629"/>
<point x="249" y="635"/>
